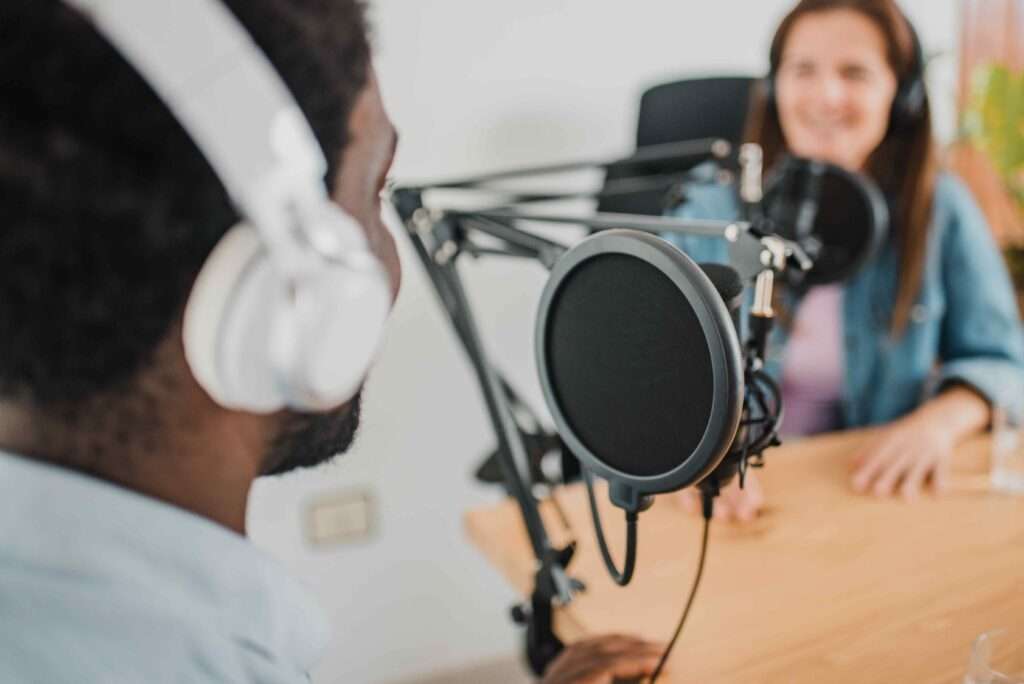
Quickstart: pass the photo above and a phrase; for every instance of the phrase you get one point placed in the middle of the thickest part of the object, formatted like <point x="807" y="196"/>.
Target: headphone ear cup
<point x="328" y="336"/>
<point x="908" y="104"/>
<point x="912" y="95"/>
<point x="257" y="345"/>
<point x="228" y="320"/>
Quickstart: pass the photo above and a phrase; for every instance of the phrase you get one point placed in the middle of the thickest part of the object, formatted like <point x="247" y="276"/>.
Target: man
<point x="124" y="485"/>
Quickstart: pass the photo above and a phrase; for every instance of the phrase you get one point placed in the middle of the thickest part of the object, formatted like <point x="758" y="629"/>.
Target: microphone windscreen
<point x="639" y="360"/>
<point x="729" y="285"/>
<point x="726" y="280"/>
<point x="839" y="217"/>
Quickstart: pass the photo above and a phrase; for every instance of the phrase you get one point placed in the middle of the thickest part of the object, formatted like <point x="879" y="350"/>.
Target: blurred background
<point x="474" y="85"/>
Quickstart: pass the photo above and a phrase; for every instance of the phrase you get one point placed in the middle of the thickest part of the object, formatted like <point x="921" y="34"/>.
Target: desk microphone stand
<point x="440" y="237"/>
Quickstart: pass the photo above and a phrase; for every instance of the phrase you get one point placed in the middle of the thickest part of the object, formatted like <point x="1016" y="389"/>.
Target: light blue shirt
<point x="101" y="584"/>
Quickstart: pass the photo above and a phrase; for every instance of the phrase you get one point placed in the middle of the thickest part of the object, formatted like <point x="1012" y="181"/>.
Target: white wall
<point x="475" y="85"/>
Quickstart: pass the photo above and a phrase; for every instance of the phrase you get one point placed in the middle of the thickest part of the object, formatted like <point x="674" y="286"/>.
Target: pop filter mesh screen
<point x="629" y="364"/>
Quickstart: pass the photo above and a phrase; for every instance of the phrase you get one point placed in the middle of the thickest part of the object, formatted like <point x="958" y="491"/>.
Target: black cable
<point x="707" y="501"/>
<point x="759" y="425"/>
<point x="620" y="578"/>
<point x="774" y="413"/>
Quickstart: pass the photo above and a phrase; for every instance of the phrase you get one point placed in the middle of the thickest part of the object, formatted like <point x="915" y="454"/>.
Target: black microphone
<point x="839" y="218"/>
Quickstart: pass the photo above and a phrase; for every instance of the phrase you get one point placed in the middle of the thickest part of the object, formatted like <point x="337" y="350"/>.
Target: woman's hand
<point x="741" y="505"/>
<point x="602" y="660"/>
<point x="904" y="455"/>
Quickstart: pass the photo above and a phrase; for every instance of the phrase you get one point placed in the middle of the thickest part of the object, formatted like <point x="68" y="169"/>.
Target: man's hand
<point x="602" y="660"/>
<point x="733" y="503"/>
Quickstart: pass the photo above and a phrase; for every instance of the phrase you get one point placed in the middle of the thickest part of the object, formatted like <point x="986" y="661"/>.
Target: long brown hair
<point x="905" y="163"/>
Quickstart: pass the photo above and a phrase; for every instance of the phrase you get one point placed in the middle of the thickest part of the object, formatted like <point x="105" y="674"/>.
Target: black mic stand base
<point x="541" y="644"/>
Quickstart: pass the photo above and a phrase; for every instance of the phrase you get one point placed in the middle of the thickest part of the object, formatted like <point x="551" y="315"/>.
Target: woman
<point x="923" y="341"/>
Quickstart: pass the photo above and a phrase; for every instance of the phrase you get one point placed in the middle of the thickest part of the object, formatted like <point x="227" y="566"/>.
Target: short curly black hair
<point x="107" y="210"/>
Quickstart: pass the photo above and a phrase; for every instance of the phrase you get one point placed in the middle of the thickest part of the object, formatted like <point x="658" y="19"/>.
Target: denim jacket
<point x="964" y="327"/>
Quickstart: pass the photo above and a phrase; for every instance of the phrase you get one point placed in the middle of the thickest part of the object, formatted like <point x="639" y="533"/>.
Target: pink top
<point x="813" y="368"/>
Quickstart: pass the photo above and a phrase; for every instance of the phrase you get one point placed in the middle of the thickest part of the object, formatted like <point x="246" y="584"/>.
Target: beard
<point x="307" y="440"/>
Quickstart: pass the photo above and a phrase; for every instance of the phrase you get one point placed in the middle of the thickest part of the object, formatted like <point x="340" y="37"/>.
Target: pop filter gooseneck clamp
<point x="441" y="236"/>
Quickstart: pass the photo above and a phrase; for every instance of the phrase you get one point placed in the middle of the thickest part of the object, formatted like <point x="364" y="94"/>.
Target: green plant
<point x="994" y="122"/>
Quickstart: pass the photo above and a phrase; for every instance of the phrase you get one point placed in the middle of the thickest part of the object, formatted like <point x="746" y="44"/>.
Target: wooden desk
<point x="827" y="586"/>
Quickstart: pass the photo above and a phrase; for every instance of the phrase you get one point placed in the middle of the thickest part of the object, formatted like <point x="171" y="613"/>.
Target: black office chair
<point x="671" y="112"/>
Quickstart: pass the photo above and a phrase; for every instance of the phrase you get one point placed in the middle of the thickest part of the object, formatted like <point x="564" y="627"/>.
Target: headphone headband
<point x="231" y="101"/>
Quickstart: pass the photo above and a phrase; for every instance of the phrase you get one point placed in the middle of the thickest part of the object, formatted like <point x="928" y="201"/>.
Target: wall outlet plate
<point x="340" y="517"/>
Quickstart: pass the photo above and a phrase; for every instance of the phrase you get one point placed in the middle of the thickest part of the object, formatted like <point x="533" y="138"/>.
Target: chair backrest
<point x="694" y="108"/>
<point x="689" y="109"/>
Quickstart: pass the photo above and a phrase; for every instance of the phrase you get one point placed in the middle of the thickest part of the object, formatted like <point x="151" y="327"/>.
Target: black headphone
<point x="910" y="101"/>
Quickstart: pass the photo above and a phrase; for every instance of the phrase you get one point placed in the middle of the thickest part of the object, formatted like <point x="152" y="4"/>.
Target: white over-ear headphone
<point x="289" y="308"/>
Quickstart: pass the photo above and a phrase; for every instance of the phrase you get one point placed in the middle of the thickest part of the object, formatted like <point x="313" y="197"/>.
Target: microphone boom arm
<point x="751" y="252"/>
<point x="687" y="150"/>
<point x="440" y="236"/>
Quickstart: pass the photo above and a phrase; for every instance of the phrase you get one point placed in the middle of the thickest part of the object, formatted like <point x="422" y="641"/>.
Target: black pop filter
<point x="839" y="218"/>
<point x="639" y="362"/>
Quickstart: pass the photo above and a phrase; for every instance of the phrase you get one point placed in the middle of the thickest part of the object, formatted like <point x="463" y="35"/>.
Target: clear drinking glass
<point x="996" y="659"/>
<point x="1007" y="468"/>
